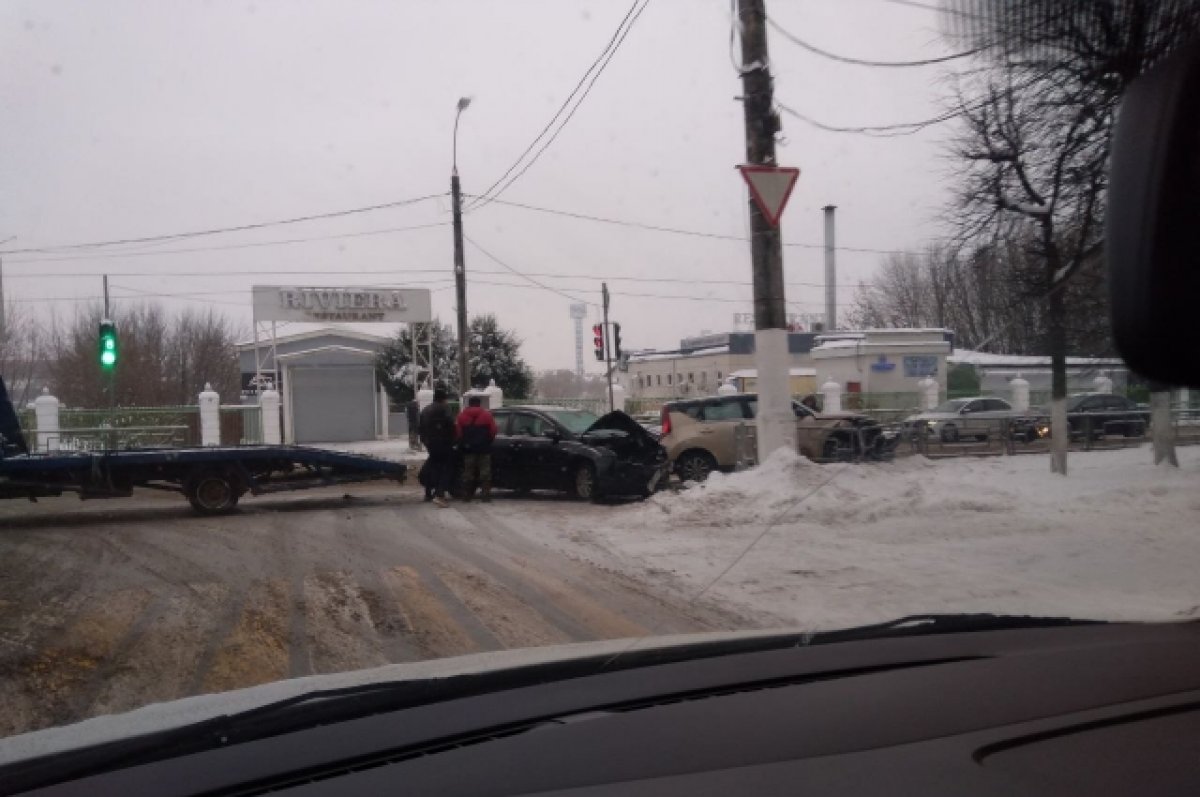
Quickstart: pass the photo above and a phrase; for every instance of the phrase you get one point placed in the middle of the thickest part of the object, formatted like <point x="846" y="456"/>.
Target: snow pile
<point x="827" y="546"/>
<point x="730" y="498"/>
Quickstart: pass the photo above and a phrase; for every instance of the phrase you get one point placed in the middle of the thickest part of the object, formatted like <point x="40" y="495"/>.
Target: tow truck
<point x="213" y="478"/>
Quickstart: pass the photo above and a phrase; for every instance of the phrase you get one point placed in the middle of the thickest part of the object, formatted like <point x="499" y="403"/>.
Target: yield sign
<point x="770" y="186"/>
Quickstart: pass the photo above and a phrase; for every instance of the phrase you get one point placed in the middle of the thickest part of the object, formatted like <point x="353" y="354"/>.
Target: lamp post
<point x="460" y="270"/>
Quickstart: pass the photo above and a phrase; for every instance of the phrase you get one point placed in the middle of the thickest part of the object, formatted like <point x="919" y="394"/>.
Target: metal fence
<point x="141" y="427"/>
<point x="1031" y="434"/>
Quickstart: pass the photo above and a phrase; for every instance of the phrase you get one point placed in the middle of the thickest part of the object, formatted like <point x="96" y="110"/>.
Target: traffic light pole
<point x="607" y="348"/>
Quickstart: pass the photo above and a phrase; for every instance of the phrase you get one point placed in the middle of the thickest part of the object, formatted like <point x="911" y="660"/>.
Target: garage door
<point x="333" y="404"/>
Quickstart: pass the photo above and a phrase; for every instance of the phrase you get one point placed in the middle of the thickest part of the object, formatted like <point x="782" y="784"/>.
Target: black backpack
<point x="476" y="439"/>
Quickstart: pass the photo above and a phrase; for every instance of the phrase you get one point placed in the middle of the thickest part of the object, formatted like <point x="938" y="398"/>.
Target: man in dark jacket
<point x="476" y="431"/>
<point x="437" y="435"/>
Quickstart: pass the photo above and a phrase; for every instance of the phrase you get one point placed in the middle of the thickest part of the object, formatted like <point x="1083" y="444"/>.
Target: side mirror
<point x="552" y="435"/>
<point x="1152" y="222"/>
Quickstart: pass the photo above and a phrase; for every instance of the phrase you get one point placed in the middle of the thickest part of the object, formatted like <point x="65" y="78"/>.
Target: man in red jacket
<point x="476" y="431"/>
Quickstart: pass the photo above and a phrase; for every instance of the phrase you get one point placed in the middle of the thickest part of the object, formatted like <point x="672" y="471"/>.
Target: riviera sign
<point x="358" y="304"/>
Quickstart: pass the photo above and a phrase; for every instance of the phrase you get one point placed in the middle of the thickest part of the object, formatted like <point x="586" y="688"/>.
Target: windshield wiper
<point x="929" y="624"/>
<point x="330" y="706"/>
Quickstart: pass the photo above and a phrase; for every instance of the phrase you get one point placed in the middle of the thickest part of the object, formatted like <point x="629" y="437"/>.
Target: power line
<point x="219" y="230"/>
<point x="935" y="9"/>
<point x="504" y="265"/>
<point x="881" y="131"/>
<point x="396" y="272"/>
<point x="603" y="60"/>
<point x="812" y="48"/>
<point x="681" y="231"/>
<point x="565" y="103"/>
<point x="228" y="247"/>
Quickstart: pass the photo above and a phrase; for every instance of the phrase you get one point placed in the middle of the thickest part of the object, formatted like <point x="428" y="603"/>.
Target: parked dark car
<point x="1094" y="414"/>
<point x="556" y="448"/>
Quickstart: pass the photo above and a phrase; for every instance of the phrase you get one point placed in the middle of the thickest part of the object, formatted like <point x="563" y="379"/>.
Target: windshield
<point x="258" y="260"/>
<point x="574" y="421"/>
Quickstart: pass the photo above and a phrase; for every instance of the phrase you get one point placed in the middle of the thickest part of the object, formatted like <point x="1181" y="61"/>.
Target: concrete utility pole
<point x="3" y="328"/>
<point x="776" y="425"/>
<point x="830" y="271"/>
<point x="460" y="268"/>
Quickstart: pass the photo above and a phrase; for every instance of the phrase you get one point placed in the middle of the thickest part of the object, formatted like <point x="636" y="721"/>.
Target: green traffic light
<point x="108" y="345"/>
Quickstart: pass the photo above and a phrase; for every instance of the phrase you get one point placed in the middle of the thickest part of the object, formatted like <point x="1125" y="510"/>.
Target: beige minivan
<point x="702" y="435"/>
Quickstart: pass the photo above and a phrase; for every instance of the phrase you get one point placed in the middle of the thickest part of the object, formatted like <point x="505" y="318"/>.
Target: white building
<point x="898" y="359"/>
<point x="882" y="360"/>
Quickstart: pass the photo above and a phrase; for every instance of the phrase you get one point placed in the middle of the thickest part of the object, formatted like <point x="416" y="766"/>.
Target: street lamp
<point x="460" y="270"/>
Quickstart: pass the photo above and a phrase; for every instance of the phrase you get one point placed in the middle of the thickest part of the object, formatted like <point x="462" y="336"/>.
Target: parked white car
<point x="953" y="420"/>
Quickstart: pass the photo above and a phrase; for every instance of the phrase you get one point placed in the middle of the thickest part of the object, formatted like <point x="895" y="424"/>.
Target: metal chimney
<point x="830" y="271"/>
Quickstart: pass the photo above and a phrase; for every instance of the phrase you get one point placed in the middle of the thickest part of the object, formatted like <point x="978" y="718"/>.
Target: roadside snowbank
<point x="825" y="546"/>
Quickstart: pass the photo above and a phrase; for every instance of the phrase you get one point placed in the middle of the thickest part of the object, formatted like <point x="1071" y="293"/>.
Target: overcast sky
<point x="131" y="119"/>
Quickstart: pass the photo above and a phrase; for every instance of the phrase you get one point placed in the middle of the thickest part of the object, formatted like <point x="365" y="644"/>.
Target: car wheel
<point x="584" y="482"/>
<point x="212" y="493"/>
<point x="694" y="466"/>
<point x="949" y="434"/>
<point x="829" y="449"/>
<point x="1134" y="430"/>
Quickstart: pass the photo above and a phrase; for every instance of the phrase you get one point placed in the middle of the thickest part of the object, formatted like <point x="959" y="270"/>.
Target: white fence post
<point x="210" y="416"/>
<point x="929" y="393"/>
<point x="832" y="392"/>
<point x="619" y="397"/>
<point x="495" y="395"/>
<point x="1020" y="393"/>
<point x="424" y="398"/>
<point x="271" y="432"/>
<point x="45" y="408"/>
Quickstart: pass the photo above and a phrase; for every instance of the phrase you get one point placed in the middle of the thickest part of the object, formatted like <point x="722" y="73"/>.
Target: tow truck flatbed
<point x="213" y="478"/>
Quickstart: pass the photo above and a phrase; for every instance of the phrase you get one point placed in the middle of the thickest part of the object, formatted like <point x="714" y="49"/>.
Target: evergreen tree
<point x="394" y="364"/>
<point x="496" y="354"/>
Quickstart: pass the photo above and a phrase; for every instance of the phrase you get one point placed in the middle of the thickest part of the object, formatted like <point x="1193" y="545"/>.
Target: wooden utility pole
<point x="776" y="422"/>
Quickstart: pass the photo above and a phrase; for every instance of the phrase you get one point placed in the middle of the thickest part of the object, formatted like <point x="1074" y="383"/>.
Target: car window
<point x="527" y="425"/>
<point x="723" y="411"/>
<point x="502" y="419"/>
<point x="801" y="411"/>
<point x="997" y="405"/>
<point x="972" y="406"/>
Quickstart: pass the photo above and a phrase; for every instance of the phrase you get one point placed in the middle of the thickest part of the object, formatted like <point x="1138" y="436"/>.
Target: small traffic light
<point x="616" y="341"/>
<point x="598" y="341"/>
<point x="108" y="345"/>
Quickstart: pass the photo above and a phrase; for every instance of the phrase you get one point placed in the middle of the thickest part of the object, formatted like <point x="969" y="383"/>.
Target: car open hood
<point x="620" y="422"/>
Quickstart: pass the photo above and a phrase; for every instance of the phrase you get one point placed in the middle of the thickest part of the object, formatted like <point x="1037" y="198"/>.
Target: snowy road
<point x="109" y="606"/>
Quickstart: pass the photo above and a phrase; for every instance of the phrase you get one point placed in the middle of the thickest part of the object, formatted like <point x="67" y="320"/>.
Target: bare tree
<point x="201" y="350"/>
<point x="162" y="360"/>
<point x="22" y="354"/>
<point x="1035" y="145"/>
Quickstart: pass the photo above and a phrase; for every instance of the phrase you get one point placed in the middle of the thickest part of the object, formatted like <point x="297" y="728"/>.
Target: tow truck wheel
<point x="212" y="493"/>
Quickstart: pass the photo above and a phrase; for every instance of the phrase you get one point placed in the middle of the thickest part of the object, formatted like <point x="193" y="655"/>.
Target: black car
<point x="555" y="448"/>
<point x="1089" y="415"/>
